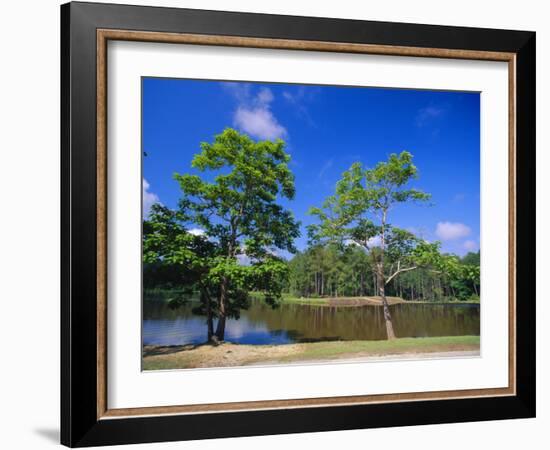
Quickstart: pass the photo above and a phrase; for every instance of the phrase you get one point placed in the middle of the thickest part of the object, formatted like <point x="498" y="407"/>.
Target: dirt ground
<point x="230" y="355"/>
<point x="362" y="301"/>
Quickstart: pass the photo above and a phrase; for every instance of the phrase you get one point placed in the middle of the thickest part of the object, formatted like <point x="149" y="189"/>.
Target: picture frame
<point x="86" y="418"/>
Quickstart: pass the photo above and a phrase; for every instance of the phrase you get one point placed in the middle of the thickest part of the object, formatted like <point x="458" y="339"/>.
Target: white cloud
<point x="149" y="198"/>
<point x="326" y="166"/>
<point x="448" y="231"/>
<point x="375" y="241"/>
<point x="244" y="260"/>
<point x="196" y="232"/>
<point x="265" y="96"/>
<point x="459" y="197"/>
<point x="288" y="96"/>
<point x="253" y="114"/>
<point x="298" y="100"/>
<point x="426" y="114"/>
<point x="258" y="122"/>
<point x="470" y="245"/>
<point x="241" y="91"/>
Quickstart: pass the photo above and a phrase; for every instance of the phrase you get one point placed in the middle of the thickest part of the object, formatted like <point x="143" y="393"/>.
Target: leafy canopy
<point x="239" y="207"/>
<point x="357" y="212"/>
<point x="366" y="194"/>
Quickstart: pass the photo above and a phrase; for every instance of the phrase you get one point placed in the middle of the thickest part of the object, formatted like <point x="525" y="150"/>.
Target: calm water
<point x="304" y="323"/>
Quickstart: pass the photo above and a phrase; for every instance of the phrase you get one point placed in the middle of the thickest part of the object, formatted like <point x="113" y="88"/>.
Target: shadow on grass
<point x="153" y="350"/>
<point x="296" y="338"/>
<point x="321" y="339"/>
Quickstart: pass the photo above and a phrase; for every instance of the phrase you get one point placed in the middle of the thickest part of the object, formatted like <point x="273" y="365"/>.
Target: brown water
<point x="305" y="323"/>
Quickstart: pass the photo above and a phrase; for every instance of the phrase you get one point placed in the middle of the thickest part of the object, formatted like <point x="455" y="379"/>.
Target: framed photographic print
<point x="276" y="224"/>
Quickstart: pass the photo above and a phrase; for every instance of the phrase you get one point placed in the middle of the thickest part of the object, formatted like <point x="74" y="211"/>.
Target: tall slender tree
<point x="359" y="210"/>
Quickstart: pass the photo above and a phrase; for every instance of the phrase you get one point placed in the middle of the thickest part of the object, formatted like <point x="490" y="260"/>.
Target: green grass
<point x="474" y="300"/>
<point x="290" y="299"/>
<point x="322" y="350"/>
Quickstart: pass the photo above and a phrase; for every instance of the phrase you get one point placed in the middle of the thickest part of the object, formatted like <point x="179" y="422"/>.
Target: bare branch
<point x="397" y="272"/>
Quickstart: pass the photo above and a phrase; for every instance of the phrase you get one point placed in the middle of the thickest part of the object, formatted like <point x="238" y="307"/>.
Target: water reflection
<point x="307" y="323"/>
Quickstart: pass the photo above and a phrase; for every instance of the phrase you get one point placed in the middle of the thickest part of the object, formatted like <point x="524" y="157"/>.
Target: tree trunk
<point x="205" y="297"/>
<point x="220" y="329"/>
<point x="210" y="324"/>
<point x="209" y="321"/>
<point x="381" y="279"/>
<point x="382" y="291"/>
<point x="317" y="283"/>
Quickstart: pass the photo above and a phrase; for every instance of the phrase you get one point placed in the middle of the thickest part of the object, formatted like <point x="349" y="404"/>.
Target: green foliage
<point x="357" y="215"/>
<point x="365" y="195"/>
<point x="240" y="205"/>
<point x="330" y="270"/>
<point x="471" y="258"/>
<point x="168" y="245"/>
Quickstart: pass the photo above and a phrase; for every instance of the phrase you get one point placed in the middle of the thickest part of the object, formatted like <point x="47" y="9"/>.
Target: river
<point x="292" y="323"/>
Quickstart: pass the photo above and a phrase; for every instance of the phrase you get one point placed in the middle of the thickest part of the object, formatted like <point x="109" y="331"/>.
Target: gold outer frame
<point x="104" y="35"/>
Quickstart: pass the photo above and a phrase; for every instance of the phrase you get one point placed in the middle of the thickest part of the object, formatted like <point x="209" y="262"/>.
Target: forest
<point x="332" y="271"/>
<point x="346" y="271"/>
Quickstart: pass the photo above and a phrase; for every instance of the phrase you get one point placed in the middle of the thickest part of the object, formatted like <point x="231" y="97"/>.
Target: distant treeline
<point x="333" y="271"/>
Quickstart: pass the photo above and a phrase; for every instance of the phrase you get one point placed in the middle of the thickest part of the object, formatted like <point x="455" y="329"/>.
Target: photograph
<point x="290" y="224"/>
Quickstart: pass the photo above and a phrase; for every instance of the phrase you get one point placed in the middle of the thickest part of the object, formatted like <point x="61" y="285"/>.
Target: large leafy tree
<point x="180" y="258"/>
<point x="236" y="202"/>
<point x="358" y="213"/>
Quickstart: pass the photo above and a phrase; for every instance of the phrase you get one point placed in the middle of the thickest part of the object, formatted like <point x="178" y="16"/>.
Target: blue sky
<point x="327" y="128"/>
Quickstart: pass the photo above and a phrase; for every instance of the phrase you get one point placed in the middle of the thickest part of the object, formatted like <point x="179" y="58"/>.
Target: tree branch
<point x="398" y="271"/>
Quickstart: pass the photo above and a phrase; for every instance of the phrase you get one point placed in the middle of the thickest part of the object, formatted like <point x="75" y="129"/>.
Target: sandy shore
<point x="230" y="355"/>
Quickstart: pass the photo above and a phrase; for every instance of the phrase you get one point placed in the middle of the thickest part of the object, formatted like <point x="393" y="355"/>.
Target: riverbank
<point x="227" y="354"/>
<point x="334" y="301"/>
<point x="361" y="301"/>
<point x="368" y="301"/>
<point x="165" y="295"/>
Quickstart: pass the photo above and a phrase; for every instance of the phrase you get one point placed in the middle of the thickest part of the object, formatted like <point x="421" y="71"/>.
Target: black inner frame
<point x="79" y="423"/>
